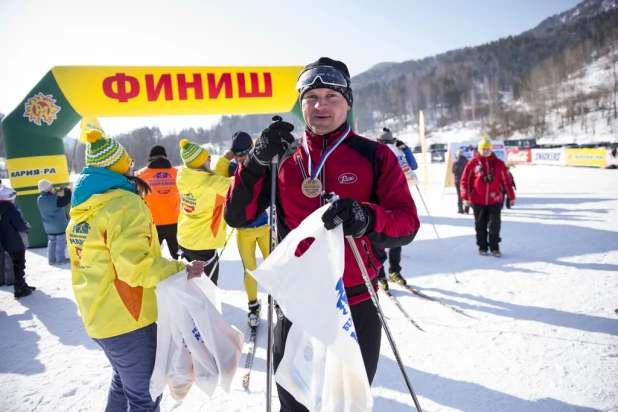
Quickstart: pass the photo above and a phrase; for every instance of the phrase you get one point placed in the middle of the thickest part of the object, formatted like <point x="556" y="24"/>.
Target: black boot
<point x="22" y="291"/>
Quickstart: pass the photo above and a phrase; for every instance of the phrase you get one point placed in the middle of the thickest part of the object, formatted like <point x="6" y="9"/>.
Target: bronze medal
<point x="311" y="188"/>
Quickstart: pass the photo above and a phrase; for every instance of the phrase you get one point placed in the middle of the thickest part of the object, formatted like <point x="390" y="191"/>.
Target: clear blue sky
<point x="39" y="34"/>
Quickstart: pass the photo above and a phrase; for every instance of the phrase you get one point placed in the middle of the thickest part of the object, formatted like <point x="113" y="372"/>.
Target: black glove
<point x="273" y="141"/>
<point x="357" y="219"/>
<point x="400" y="145"/>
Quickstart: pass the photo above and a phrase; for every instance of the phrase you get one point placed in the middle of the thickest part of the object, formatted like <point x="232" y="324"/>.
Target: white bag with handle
<point x="213" y="345"/>
<point x="322" y="366"/>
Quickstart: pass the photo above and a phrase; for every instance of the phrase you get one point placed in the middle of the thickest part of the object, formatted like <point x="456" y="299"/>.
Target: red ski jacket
<point x="475" y="189"/>
<point x="358" y="168"/>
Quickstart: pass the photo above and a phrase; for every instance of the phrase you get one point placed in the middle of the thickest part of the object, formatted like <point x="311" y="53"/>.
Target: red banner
<point x="520" y="157"/>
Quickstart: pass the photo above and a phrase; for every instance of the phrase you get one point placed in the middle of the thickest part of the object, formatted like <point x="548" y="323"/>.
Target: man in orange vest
<point x="164" y="200"/>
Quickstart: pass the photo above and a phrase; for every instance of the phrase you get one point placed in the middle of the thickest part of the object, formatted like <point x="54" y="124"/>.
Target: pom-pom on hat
<point x="193" y="155"/>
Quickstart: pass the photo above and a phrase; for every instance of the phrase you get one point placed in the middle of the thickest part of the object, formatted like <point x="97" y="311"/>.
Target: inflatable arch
<point x="33" y="131"/>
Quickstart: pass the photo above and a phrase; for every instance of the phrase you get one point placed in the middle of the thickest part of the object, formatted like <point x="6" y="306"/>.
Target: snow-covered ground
<point x="543" y="336"/>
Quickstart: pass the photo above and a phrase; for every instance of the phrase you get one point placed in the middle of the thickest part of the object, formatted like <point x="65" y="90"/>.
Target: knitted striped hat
<point x="193" y="155"/>
<point x="106" y="152"/>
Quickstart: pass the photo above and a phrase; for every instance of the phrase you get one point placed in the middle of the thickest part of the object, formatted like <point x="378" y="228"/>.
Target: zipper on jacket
<point x="322" y="201"/>
<point x="375" y="271"/>
<point x="487" y="188"/>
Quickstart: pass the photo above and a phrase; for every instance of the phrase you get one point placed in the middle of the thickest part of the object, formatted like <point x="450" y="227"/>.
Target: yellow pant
<point x="247" y="238"/>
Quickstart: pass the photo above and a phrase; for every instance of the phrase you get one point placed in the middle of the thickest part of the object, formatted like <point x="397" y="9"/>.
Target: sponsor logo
<point x="78" y="252"/>
<point x="41" y="108"/>
<point x="162" y="175"/>
<point x="548" y="157"/>
<point x="347" y="178"/>
<point x="308" y="353"/>
<point x="33" y="172"/>
<point x="518" y="156"/>
<point x="188" y="202"/>
<point x="82" y="228"/>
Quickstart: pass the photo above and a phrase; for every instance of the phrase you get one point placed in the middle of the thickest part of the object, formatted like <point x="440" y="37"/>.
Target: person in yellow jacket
<point x="116" y="263"/>
<point x="201" y="227"/>
<point x="247" y="237"/>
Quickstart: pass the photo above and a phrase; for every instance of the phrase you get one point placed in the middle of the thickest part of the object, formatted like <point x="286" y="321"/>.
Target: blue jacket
<point x="260" y="221"/>
<point x="11" y="223"/>
<point x="52" y="211"/>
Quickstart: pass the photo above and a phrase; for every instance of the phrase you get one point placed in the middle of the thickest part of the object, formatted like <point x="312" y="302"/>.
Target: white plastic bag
<point x="173" y="364"/>
<point x="198" y="329"/>
<point x="322" y="366"/>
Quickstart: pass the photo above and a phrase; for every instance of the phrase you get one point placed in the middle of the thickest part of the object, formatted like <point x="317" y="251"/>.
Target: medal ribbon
<point x="328" y="152"/>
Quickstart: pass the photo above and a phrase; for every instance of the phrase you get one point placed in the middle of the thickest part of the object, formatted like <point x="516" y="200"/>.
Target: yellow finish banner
<point x="104" y="91"/>
<point x="25" y="174"/>
<point x="586" y="157"/>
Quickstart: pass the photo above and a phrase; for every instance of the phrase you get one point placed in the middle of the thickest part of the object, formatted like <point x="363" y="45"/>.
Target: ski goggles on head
<point x="241" y="153"/>
<point x="327" y="75"/>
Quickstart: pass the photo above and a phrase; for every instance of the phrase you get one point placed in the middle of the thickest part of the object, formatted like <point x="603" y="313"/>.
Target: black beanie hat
<point x="157" y="151"/>
<point x="241" y="141"/>
<point x="337" y="65"/>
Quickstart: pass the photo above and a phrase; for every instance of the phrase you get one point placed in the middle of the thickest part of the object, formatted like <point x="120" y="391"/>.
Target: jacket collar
<point x="313" y="138"/>
<point x="159" y="163"/>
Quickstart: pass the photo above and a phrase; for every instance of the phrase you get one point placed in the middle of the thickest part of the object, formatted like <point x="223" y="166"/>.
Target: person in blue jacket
<point x="52" y="205"/>
<point x="394" y="254"/>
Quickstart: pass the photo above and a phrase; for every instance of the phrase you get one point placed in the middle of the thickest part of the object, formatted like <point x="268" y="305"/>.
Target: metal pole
<point x="274" y="170"/>
<point x="374" y="298"/>
<point x="332" y="198"/>
<point x="448" y="259"/>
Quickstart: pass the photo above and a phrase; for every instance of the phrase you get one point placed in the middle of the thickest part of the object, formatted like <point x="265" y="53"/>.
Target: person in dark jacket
<point x="52" y="205"/>
<point x="257" y="233"/>
<point x="484" y="179"/>
<point x="458" y="169"/>
<point x="13" y="231"/>
<point x="505" y="195"/>
<point x="375" y="205"/>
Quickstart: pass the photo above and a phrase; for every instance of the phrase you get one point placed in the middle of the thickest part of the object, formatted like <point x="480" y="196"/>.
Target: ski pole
<point x="332" y="198"/>
<point x="448" y="259"/>
<point x="218" y="257"/>
<point x="274" y="170"/>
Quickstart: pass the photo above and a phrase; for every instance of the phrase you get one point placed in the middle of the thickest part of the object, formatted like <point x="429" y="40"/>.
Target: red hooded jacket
<point x="358" y="168"/>
<point x="475" y="189"/>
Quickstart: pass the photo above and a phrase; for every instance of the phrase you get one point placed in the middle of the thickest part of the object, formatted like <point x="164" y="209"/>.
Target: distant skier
<point x="505" y="195"/>
<point x="256" y="233"/>
<point x="458" y="169"/>
<point x="483" y="180"/>
<point x="407" y="163"/>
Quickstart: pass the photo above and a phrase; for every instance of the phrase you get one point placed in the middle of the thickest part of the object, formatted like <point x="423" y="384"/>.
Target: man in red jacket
<point x="375" y="205"/>
<point x="483" y="181"/>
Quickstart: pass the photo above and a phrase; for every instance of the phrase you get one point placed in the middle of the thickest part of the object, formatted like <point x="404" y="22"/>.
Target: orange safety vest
<point x="164" y="200"/>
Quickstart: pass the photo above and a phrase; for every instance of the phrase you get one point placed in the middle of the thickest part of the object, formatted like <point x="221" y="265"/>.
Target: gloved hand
<point x="273" y="141"/>
<point x="357" y="219"/>
<point x="400" y="145"/>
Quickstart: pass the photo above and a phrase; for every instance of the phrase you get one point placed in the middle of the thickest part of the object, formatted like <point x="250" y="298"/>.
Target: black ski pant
<point x="19" y="267"/>
<point x="369" y="333"/>
<point x="487" y="219"/>
<point x="169" y="234"/>
<point x="460" y="208"/>
<point x="209" y="256"/>
<point x="394" y="262"/>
